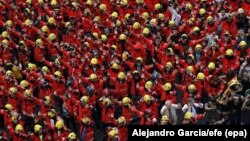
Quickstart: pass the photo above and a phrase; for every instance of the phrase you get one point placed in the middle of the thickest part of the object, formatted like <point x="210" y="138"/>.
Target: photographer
<point x="246" y="109"/>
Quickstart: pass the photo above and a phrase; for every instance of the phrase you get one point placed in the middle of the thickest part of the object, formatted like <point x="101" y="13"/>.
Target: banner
<point x="188" y="132"/>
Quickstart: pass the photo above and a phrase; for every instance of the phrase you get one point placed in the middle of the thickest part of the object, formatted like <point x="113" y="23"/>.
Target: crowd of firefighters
<point x="71" y="69"/>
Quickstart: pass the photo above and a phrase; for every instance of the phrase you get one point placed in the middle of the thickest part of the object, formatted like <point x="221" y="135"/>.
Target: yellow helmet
<point x="9" y="23"/>
<point x="191" y="56"/>
<point x="28" y="1"/>
<point x="153" y="21"/>
<point x="92" y="76"/>
<point x="198" y="47"/>
<point x="19" y="128"/>
<point x="114" y="47"/>
<point x="211" y="65"/>
<point x="229" y="52"/>
<point x="191" y="21"/>
<point x="28" y="22"/>
<point x="58" y="74"/>
<point x="184" y="36"/>
<point x="72" y="136"/>
<point x="67" y="24"/>
<point x="209" y="18"/>
<point x="171" y="50"/>
<point x="37" y="128"/>
<point x="95" y="34"/>
<point x="13" y="90"/>
<point x="136" y="72"/>
<point x="157" y="6"/>
<point x="52" y="36"/>
<point x="169" y="64"/>
<point x="118" y="23"/>
<point x="5" y="42"/>
<point x="139" y="59"/>
<point x="189" y="6"/>
<point x="139" y="1"/>
<point x="47" y="98"/>
<point x="136" y="25"/>
<point x="167" y="86"/>
<point x="51" y="20"/>
<point x="114" y="14"/>
<point x="27" y="10"/>
<point x="40" y="1"/>
<point x="146" y="31"/>
<point x="200" y="76"/>
<point x="57" y="61"/>
<point x="196" y="29"/>
<point x="39" y="41"/>
<point x="31" y="66"/>
<point x="97" y="19"/>
<point x="121" y="120"/>
<point x="51" y="113"/>
<point x="94" y="61"/>
<point x="86" y="120"/>
<point x="121" y="75"/>
<point x="53" y="2"/>
<point x="188" y="115"/>
<point x="148" y="84"/>
<point x="127" y="16"/>
<point x="190" y="69"/>
<point x="106" y="101"/>
<point x="45" y="69"/>
<point x="243" y="44"/>
<point x="89" y="2"/>
<point x="85" y="99"/>
<point x="202" y="11"/>
<point x="75" y="4"/>
<point x="164" y="119"/>
<point x="8" y="73"/>
<point x="122" y="37"/>
<point x="5" y="34"/>
<point x="161" y="16"/>
<point x="104" y="38"/>
<point x="171" y="23"/>
<point x="27" y="93"/>
<point x="146" y="98"/>
<point x="14" y="117"/>
<point x="45" y="29"/>
<point x="125" y="55"/>
<point x="124" y="2"/>
<point x="240" y="10"/>
<point x="24" y="83"/>
<point x="59" y="124"/>
<point x="112" y="133"/>
<point x="126" y="101"/>
<point x="191" y="88"/>
<point x="102" y="7"/>
<point x="145" y="15"/>
<point x="9" y="107"/>
<point x="115" y="66"/>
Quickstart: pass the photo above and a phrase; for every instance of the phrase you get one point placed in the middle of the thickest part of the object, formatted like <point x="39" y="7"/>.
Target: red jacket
<point x="107" y="115"/>
<point x="227" y="65"/>
<point x="88" y="132"/>
<point x="215" y="90"/>
<point x="39" y="54"/>
<point x="130" y="113"/>
<point x="82" y="111"/>
<point x="60" y="135"/>
<point x="45" y="137"/>
<point x="123" y="133"/>
<point x="28" y="106"/>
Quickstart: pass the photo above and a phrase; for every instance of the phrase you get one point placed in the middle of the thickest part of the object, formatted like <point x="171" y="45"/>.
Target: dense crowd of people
<point x="86" y="69"/>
